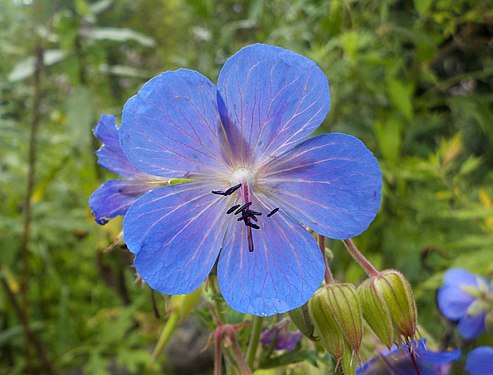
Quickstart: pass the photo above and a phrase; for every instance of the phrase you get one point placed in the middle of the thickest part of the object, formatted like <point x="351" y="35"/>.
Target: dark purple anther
<point x="233" y="208"/>
<point x="244" y="207"/>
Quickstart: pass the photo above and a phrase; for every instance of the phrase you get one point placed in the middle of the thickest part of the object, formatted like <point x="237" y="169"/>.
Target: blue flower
<point x="398" y="361"/>
<point x="285" y="340"/>
<point x="460" y="298"/>
<point x="480" y="361"/>
<point x="256" y="179"/>
<point x="114" y="197"/>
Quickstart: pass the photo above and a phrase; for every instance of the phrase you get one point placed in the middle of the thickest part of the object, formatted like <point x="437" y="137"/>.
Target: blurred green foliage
<point x="413" y="79"/>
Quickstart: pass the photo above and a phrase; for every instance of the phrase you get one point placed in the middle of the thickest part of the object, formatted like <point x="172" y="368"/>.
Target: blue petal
<point x="176" y="233"/>
<point x="331" y="183"/>
<point x="172" y="128"/>
<point x="110" y="155"/>
<point x="459" y="276"/>
<point x="453" y="302"/>
<point x="471" y="327"/>
<point x="282" y="273"/>
<point x="480" y="361"/>
<point x="270" y="99"/>
<point x="114" y="197"/>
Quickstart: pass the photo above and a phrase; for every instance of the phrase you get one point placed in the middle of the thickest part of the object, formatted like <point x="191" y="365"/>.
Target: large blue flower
<point x="480" y="361"/>
<point x="398" y="361"/>
<point x="114" y="197"/>
<point x="460" y="298"/>
<point x="255" y="180"/>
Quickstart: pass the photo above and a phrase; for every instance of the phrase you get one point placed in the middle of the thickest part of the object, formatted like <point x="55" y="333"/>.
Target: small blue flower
<point x="285" y="340"/>
<point x="480" y="361"/>
<point x="114" y="197"/>
<point x="398" y="361"/>
<point x="460" y="299"/>
<point x="256" y="180"/>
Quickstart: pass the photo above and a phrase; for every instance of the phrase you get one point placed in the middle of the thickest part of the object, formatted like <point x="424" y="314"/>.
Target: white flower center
<point x="243" y="176"/>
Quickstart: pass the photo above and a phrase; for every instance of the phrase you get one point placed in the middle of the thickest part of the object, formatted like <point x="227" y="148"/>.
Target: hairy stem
<point x="362" y="261"/>
<point x="168" y="329"/>
<point x="254" y="340"/>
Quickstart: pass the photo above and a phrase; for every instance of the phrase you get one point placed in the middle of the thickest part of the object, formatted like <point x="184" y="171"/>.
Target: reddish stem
<point x="362" y="261"/>
<point x="329" y="279"/>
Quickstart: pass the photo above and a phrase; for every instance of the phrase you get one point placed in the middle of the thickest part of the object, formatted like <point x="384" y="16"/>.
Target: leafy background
<point x="413" y="79"/>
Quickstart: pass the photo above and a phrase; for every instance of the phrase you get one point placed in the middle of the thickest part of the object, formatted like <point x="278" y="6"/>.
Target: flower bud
<point x="338" y="318"/>
<point x="389" y="295"/>
<point x="303" y="321"/>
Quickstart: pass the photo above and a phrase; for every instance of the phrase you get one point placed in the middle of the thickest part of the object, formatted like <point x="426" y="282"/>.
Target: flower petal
<point x="175" y="232"/>
<point x="110" y="154"/>
<point x="471" y="327"/>
<point x="114" y="197"/>
<point x="453" y="302"/>
<point x="172" y="128"/>
<point x="282" y="273"/>
<point x="460" y="276"/>
<point x="270" y="99"/>
<point x="480" y="361"/>
<point x="331" y="183"/>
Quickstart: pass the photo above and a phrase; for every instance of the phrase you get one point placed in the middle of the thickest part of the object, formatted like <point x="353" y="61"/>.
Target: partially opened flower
<point x="255" y="180"/>
<point x="463" y="297"/>
<point x="398" y="360"/>
<point x="114" y="197"/>
<point x="284" y="339"/>
<point x="480" y="361"/>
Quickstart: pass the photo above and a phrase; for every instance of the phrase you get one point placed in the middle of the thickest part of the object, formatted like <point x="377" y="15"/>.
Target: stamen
<point x="242" y="208"/>
<point x="233" y="208"/>
<point x="232" y="189"/>
<point x="254" y="226"/>
<point x="218" y="192"/>
<point x="273" y="212"/>
<point x="255" y="213"/>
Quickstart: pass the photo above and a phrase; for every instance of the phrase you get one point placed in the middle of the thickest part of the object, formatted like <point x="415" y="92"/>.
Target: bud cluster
<point x="336" y="311"/>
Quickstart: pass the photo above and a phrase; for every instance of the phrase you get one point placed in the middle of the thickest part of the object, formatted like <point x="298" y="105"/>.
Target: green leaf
<point x="118" y="35"/>
<point x="388" y="134"/>
<point x="400" y="95"/>
<point x="25" y="68"/>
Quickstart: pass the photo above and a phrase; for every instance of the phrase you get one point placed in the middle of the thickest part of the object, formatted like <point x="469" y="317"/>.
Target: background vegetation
<point x="413" y="79"/>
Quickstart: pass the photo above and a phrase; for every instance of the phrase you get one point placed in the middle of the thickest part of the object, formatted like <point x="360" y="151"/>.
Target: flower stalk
<point x="329" y="279"/>
<point x="360" y="258"/>
<point x="254" y="340"/>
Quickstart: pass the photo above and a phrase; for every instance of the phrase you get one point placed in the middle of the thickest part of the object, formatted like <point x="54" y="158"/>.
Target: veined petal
<point x="453" y="302"/>
<point x="281" y="273"/>
<point x="480" y="361"/>
<point x="471" y="326"/>
<point x="331" y="183"/>
<point x="176" y="233"/>
<point x="171" y="128"/>
<point x="114" y="197"/>
<point x="110" y="154"/>
<point x="270" y="99"/>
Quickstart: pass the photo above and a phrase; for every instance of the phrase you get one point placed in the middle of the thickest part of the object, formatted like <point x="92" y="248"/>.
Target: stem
<point x="168" y="329"/>
<point x="254" y="340"/>
<point x="240" y="361"/>
<point x="358" y="257"/>
<point x="329" y="279"/>
<point x="32" y="338"/>
<point x="217" y="357"/>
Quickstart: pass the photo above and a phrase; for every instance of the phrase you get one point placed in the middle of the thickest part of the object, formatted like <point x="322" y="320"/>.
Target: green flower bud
<point x="375" y="312"/>
<point x="337" y="317"/>
<point x="389" y="295"/>
<point x="303" y="321"/>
